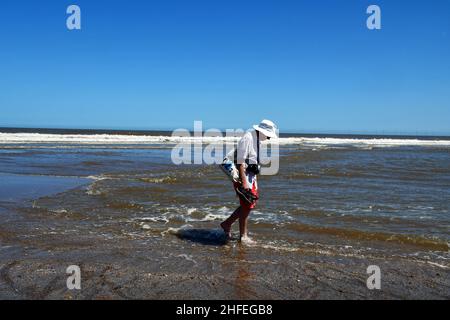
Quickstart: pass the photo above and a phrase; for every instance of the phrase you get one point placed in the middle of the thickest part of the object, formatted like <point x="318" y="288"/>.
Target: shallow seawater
<point x="386" y="196"/>
<point x="16" y="188"/>
<point x="337" y="201"/>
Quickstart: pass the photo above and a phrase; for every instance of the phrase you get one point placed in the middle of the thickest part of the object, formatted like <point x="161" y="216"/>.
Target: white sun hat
<point x="268" y="128"/>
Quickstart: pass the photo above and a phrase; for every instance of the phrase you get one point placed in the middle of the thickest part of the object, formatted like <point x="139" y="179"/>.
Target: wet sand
<point x="33" y="266"/>
<point x="26" y="276"/>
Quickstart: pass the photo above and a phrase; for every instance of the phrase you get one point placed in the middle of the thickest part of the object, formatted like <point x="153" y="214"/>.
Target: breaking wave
<point x="111" y="139"/>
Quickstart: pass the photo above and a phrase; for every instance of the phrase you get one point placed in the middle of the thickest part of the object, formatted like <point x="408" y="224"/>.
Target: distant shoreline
<point x="169" y="133"/>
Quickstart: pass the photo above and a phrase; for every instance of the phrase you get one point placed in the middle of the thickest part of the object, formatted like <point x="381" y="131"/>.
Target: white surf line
<point x="29" y="138"/>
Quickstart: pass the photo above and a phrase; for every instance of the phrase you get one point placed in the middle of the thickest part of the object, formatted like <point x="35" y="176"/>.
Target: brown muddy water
<point x="141" y="227"/>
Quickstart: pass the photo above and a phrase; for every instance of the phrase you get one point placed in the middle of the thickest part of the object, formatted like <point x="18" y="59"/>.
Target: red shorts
<point x="244" y="203"/>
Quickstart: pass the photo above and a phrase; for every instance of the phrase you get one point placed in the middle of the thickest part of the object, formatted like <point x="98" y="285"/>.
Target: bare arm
<point x="242" y="168"/>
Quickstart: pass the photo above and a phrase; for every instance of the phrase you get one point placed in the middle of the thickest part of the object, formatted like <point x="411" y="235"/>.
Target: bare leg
<point x="243" y="218"/>
<point x="226" y="225"/>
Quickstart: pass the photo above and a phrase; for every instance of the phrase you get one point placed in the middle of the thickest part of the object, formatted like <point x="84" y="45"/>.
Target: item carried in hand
<point x="246" y="195"/>
<point x="229" y="168"/>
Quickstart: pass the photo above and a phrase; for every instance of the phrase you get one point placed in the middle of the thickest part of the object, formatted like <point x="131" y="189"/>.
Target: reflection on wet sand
<point x="242" y="283"/>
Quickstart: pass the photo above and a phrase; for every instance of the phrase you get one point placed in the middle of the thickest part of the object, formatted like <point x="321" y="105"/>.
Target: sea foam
<point x="108" y="139"/>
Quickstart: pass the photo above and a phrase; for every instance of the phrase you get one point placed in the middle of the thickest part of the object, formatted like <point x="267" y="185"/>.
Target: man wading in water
<point x="246" y="160"/>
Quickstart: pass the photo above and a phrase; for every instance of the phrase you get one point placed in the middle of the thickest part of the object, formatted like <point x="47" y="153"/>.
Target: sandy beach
<point x="130" y="271"/>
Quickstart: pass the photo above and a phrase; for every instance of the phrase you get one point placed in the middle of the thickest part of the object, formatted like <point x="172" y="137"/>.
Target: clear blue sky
<point x="307" y="65"/>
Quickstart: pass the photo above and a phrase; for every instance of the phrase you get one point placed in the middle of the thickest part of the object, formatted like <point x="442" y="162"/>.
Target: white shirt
<point x="247" y="148"/>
